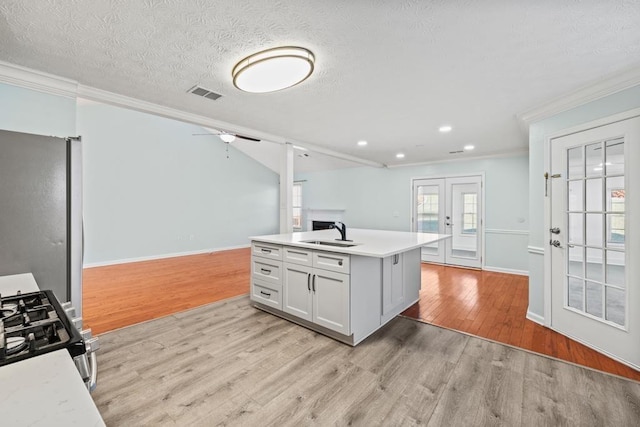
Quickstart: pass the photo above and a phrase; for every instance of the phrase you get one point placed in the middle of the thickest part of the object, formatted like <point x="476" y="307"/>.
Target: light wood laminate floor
<point x="486" y="304"/>
<point x="228" y="363"/>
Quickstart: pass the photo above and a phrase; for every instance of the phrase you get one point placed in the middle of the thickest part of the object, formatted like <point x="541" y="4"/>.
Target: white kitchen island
<point x="344" y="289"/>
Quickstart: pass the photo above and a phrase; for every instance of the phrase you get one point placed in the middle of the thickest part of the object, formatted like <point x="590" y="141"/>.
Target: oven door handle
<point x="93" y="381"/>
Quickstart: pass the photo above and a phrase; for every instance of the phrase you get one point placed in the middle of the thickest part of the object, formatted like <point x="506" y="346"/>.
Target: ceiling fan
<point x="227" y="137"/>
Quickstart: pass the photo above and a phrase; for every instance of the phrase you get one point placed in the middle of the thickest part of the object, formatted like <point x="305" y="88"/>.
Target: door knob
<point x="555" y="230"/>
<point x="555" y="243"/>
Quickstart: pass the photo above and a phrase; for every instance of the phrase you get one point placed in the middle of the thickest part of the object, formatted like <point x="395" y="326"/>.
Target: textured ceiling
<point x="390" y="72"/>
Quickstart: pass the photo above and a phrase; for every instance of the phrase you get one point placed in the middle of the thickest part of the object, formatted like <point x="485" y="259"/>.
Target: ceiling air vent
<point x="456" y="152"/>
<point x="200" y="91"/>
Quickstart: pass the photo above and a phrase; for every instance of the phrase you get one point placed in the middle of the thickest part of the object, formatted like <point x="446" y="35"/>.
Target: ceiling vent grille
<point x="456" y="152"/>
<point x="200" y="91"/>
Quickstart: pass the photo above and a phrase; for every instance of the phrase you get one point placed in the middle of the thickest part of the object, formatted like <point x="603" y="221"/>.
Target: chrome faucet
<point x="342" y="230"/>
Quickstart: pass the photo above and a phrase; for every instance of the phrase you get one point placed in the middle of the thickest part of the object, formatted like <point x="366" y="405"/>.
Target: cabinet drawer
<point x="266" y="250"/>
<point x="266" y="270"/>
<point x="331" y="261"/>
<point x="266" y="294"/>
<point x="298" y="255"/>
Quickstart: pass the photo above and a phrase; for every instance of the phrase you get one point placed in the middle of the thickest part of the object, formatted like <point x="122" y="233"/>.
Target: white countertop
<point x="10" y="285"/>
<point x="45" y="390"/>
<point x="372" y="243"/>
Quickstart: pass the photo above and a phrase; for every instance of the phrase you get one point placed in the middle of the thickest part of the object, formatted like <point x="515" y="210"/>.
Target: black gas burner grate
<point x="34" y="324"/>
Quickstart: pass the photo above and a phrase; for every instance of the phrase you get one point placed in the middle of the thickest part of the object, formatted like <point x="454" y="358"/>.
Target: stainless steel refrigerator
<point x="41" y="211"/>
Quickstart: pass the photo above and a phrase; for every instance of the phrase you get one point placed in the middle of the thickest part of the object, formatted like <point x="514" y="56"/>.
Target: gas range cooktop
<point x="34" y="323"/>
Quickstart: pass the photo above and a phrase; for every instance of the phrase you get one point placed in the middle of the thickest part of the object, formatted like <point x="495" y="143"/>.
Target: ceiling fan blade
<point x="248" y="138"/>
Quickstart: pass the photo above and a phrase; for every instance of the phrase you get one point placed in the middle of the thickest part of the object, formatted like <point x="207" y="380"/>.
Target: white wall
<point x="381" y="199"/>
<point x="29" y="111"/>
<point x="538" y="133"/>
<point x="152" y="189"/>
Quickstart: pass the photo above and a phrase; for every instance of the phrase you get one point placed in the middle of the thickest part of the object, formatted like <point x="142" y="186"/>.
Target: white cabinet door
<point x="331" y="300"/>
<point x="393" y="286"/>
<point x="297" y="295"/>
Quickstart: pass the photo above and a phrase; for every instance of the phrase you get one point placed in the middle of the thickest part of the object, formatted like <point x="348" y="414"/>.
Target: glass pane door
<point x="595" y="278"/>
<point x="429" y="212"/>
<point x="450" y="206"/>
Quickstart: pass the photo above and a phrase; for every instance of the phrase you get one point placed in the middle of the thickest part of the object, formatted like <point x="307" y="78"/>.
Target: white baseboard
<point x="154" y="257"/>
<point x="535" y="318"/>
<point x="506" y="270"/>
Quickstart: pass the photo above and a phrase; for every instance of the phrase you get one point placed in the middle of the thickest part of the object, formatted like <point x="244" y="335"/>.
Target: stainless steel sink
<point x="330" y="243"/>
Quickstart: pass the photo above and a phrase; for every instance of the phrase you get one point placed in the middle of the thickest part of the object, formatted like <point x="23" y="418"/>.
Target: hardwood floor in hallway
<point x="486" y="304"/>
<point x="494" y="306"/>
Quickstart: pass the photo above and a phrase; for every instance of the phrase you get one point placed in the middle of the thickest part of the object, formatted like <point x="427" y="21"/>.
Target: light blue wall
<point x="29" y="111"/>
<point x="152" y="189"/>
<point x="381" y="199"/>
<point x="538" y="133"/>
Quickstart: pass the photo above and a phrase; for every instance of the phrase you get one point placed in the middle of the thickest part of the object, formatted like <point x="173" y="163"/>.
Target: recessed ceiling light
<point x="273" y="69"/>
<point x="362" y="143"/>
<point x="469" y="147"/>
<point x="400" y="155"/>
<point x="445" y="129"/>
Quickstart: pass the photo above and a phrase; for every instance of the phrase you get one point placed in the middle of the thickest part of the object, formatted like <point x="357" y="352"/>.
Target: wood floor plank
<point x="500" y="307"/>
<point x="134" y="292"/>
<point x="485" y="388"/>
<point x="488" y="304"/>
<point x="408" y="373"/>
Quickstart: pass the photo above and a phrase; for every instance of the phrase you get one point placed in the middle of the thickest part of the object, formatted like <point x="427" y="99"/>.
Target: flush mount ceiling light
<point x="400" y="155"/>
<point x="469" y="147"/>
<point x="445" y="129"/>
<point x="362" y="143"/>
<point x="273" y="69"/>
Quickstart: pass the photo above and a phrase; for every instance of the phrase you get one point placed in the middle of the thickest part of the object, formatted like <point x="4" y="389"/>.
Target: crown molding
<point x="510" y="153"/>
<point x="48" y="83"/>
<point x="598" y="89"/>
<point x="111" y="98"/>
<point x="37" y="80"/>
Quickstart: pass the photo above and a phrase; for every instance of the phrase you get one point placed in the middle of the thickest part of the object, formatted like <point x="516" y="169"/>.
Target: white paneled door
<point x="595" y="292"/>
<point x="450" y="206"/>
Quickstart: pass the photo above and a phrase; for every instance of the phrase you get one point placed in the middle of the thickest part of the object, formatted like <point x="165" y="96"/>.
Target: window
<point x="615" y="224"/>
<point x="297" y="206"/>
<point x="428" y="213"/>
<point x="469" y="213"/>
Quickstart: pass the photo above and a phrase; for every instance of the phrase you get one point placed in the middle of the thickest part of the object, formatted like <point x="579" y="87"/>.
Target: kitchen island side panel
<point x="366" y="296"/>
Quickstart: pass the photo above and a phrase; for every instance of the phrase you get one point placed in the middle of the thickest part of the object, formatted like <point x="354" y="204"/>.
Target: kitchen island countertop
<point x="371" y="243"/>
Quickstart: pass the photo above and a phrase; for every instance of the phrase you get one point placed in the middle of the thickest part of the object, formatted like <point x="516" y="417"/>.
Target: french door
<point x="594" y="232"/>
<point x="450" y="206"/>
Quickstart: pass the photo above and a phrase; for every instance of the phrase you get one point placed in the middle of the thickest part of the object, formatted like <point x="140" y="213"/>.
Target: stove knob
<point x="71" y="312"/>
<point x="86" y="334"/>
<point x="77" y="322"/>
<point x="92" y="344"/>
